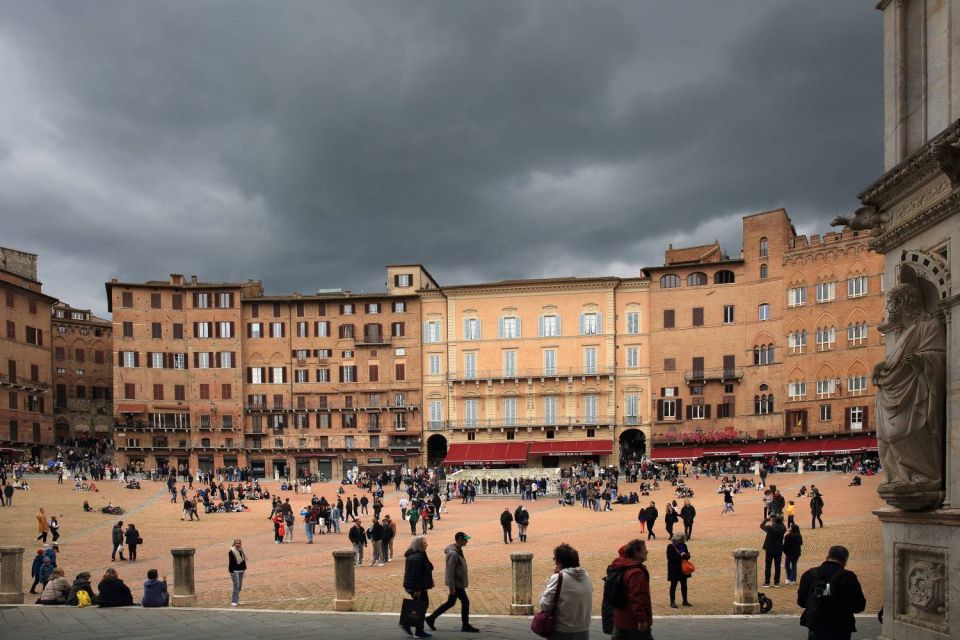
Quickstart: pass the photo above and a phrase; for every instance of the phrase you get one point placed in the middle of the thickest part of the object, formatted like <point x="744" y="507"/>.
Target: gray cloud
<point x="308" y="144"/>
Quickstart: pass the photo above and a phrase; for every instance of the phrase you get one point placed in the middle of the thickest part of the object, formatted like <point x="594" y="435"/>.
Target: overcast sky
<point x="308" y="144"/>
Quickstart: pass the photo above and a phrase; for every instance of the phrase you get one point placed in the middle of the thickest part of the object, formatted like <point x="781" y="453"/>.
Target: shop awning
<point x="486" y="453"/>
<point x="572" y="448"/>
<point x="131" y="408"/>
<point x="827" y="446"/>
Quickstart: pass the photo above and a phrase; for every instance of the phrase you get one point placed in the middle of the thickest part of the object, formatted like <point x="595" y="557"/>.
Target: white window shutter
<point x="479" y="333"/>
<point x="519" y="330"/>
<point x="559" y="330"/>
<point x="466" y="329"/>
<point x="540" y="326"/>
<point x="500" y="328"/>
<point x="582" y="324"/>
<point x="599" y="323"/>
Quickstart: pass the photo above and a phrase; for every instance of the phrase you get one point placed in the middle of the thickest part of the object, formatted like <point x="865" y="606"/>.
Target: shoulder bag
<point x="544" y="622"/>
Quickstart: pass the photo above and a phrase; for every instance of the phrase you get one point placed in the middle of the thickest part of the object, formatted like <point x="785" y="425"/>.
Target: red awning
<point x="855" y="444"/>
<point x="131" y="408"/>
<point x="486" y="453"/>
<point x="665" y="454"/>
<point x="572" y="448"/>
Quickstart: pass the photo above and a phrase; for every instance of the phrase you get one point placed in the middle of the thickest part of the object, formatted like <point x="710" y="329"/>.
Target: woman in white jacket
<point x="572" y="614"/>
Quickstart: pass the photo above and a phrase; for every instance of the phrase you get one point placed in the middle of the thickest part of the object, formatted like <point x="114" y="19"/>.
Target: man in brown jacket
<point x="633" y="621"/>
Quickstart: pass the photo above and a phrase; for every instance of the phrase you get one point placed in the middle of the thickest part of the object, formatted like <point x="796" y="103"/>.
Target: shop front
<point x="556" y="453"/>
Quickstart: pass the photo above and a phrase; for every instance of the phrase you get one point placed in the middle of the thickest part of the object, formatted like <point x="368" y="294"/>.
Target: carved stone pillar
<point x="184" y="589"/>
<point x="745" y="582"/>
<point x="522" y="604"/>
<point x="344" y="565"/>
<point x="11" y="575"/>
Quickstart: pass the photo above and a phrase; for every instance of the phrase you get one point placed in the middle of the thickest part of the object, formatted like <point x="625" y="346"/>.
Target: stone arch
<point x="797" y="279"/>
<point x="826" y="372"/>
<point x="436" y="449"/>
<point x="633" y="444"/>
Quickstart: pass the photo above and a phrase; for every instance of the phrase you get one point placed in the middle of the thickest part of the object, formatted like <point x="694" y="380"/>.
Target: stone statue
<point x="911" y="387"/>
<point x="867" y="217"/>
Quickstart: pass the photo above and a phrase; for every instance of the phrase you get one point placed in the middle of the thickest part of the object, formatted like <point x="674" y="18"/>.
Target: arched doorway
<point x="61" y="430"/>
<point x="633" y="445"/>
<point x="436" y="449"/>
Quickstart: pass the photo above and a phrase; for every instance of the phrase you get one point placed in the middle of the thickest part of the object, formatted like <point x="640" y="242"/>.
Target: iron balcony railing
<point x="484" y="423"/>
<point x="539" y="372"/>
<point x="721" y="374"/>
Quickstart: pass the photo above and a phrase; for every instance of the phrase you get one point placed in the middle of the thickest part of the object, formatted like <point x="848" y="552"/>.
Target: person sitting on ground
<point x="856" y="482"/>
<point x="86" y="506"/>
<point x="56" y="589"/>
<point x="113" y="591"/>
<point x="81" y="583"/>
<point x="802" y="492"/>
<point x="155" y="591"/>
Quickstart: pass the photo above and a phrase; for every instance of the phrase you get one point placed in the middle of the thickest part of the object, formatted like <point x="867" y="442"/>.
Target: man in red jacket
<point x="633" y="621"/>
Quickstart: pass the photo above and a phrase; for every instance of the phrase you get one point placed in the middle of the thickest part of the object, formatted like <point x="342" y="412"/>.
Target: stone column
<point x="800" y="467"/>
<point x="522" y="584"/>
<point x="344" y="566"/>
<point x="745" y="581"/>
<point x="11" y="575"/>
<point x="184" y="590"/>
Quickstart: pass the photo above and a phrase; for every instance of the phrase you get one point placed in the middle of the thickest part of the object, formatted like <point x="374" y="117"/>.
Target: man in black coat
<point x="358" y="538"/>
<point x="116" y="537"/>
<point x="506" y="521"/>
<point x="773" y="548"/>
<point x="830" y="595"/>
<point x="652" y="515"/>
<point x="687" y="513"/>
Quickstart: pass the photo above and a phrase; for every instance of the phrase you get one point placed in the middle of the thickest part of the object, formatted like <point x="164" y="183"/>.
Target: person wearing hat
<point x="35" y="570"/>
<point x="456" y="578"/>
<point x="51" y="551"/>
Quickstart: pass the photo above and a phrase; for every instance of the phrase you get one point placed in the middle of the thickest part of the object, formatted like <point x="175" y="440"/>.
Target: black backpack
<point x="821" y="597"/>
<point x="614" y="597"/>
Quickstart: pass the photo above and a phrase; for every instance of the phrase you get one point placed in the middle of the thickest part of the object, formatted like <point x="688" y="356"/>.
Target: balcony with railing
<point x="162" y="424"/>
<point x="529" y="374"/>
<point x="545" y="422"/>
<point x="372" y="340"/>
<point x="403" y="443"/>
<point x="718" y="374"/>
<point x="19" y="383"/>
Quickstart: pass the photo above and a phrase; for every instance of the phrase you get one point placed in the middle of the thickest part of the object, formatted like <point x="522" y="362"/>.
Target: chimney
<point x="193" y="279"/>
<point x="176" y="278"/>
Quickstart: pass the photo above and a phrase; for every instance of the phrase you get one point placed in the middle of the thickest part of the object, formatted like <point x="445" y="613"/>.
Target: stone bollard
<point x="745" y="581"/>
<point x="344" y="580"/>
<point x="184" y="590"/>
<point x="11" y="575"/>
<point x="522" y="584"/>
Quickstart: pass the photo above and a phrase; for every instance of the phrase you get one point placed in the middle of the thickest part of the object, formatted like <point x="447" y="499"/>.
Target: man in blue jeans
<point x="456" y="579"/>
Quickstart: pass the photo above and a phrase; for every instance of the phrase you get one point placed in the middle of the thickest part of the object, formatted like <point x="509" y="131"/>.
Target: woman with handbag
<point x="417" y="580"/>
<point x="566" y="602"/>
<point x="133" y="540"/>
<point x="679" y="568"/>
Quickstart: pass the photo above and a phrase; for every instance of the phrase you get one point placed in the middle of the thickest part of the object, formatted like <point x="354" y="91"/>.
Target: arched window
<point x="763" y="355"/>
<point x="763" y="247"/>
<point x="763" y="404"/>
<point x="696" y="279"/>
<point x="763" y="272"/>
<point x="724" y="277"/>
<point x="669" y="281"/>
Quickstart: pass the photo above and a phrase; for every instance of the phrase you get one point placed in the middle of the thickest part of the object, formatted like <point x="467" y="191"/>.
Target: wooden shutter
<point x="866" y="424"/>
<point x="270" y="375"/>
<point x="679" y="408"/>
<point x="659" y="410"/>
<point x="396" y="279"/>
<point x="195" y="299"/>
<point x="168" y="361"/>
<point x="689" y="410"/>
<point x="249" y="375"/>
<point x="216" y="359"/>
<point x="668" y="318"/>
<point x="846" y="418"/>
<point x="149" y="359"/>
<point x="706" y="410"/>
<point x="196" y="359"/>
<point x="698" y="316"/>
<point x="232" y="334"/>
<point x="374" y="373"/>
<point x="400" y="372"/>
<point x="136" y="358"/>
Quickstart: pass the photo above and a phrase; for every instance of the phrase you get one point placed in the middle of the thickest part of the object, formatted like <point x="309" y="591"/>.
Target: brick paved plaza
<point x="299" y="576"/>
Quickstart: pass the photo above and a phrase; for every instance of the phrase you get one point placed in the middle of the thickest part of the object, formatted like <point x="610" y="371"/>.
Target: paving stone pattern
<point x="300" y="576"/>
<point x="70" y="623"/>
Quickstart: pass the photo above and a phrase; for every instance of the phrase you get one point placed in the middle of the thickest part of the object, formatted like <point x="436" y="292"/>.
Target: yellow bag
<point x="83" y="599"/>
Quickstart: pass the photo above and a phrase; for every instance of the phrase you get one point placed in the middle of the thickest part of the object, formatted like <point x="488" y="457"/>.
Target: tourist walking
<point x="116" y="537"/>
<point x="670" y="518"/>
<point x="522" y="517"/>
<point x="358" y="538"/>
<point x="677" y="552"/>
<point x="792" y="544"/>
<point x="8" y="494"/>
<point x="418" y="578"/>
<point x="569" y="595"/>
<point x="687" y="513"/>
<point x="237" y="566"/>
<point x="55" y="527"/>
<point x="35" y="570"/>
<point x="727" y="501"/>
<point x="773" y="548"/>
<point x="375" y="534"/>
<point x="389" y="533"/>
<point x="830" y="595"/>
<point x="43" y="526"/>
<point x="456" y="578"/>
<point x="506" y="523"/>
<point x="816" y="509"/>
<point x="652" y="515"/>
<point x="133" y="539"/>
<point x="634" y="620"/>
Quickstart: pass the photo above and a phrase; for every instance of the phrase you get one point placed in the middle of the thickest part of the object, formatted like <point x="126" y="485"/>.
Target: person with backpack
<point x="792" y="543"/>
<point x="773" y="548"/>
<point x="626" y="608"/>
<point x="830" y="595"/>
<point x="81" y="585"/>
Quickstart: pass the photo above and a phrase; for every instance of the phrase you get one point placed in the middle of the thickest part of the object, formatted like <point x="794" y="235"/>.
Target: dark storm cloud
<point x="308" y="144"/>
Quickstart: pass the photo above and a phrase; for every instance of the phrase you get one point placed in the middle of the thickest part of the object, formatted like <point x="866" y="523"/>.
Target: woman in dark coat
<point x="677" y="552"/>
<point x="418" y="577"/>
<point x="132" y="538"/>
<point x="670" y="518"/>
<point x="113" y="591"/>
<point x="792" y="543"/>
